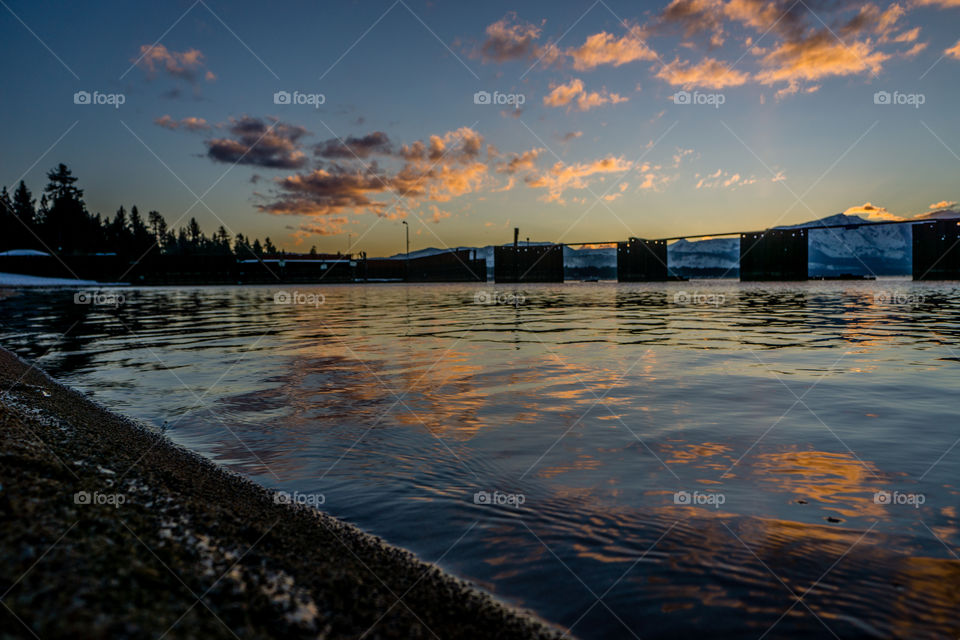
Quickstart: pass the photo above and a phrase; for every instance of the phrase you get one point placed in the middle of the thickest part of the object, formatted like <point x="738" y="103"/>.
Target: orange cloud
<point x="189" y="123"/>
<point x="942" y="4"/>
<point x="872" y="212"/>
<point x="180" y="64"/>
<point x="562" y="176"/>
<point x="445" y="167"/>
<point x="954" y="51"/>
<point x="526" y="161"/>
<point x="321" y="227"/>
<point x="509" y="39"/>
<point x="818" y="56"/>
<point x="709" y="73"/>
<point x="943" y="204"/>
<point x="574" y="93"/>
<point x="603" y="48"/>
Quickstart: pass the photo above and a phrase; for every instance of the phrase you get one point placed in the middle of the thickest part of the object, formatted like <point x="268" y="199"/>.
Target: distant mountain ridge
<point x="869" y="250"/>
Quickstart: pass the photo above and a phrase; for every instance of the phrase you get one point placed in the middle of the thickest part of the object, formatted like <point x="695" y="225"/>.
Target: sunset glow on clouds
<point x="583" y="109"/>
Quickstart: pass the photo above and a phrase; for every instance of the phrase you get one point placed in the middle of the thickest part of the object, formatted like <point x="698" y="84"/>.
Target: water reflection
<point x="599" y="403"/>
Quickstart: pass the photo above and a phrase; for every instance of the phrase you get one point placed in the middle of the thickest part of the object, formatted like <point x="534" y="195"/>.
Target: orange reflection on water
<point x="839" y="481"/>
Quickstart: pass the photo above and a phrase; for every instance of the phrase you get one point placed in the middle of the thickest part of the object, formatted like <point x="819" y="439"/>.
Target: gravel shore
<point x="110" y="530"/>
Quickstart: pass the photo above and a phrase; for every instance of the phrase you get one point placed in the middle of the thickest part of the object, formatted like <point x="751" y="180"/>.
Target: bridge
<point x="779" y="254"/>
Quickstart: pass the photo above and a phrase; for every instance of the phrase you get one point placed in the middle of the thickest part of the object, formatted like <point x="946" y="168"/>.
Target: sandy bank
<point x="109" y="530"/>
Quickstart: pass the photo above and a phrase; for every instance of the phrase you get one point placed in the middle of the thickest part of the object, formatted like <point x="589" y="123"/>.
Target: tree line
<point x="60" y="223"/>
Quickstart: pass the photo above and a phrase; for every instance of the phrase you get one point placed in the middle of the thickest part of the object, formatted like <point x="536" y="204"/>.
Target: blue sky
<point x="601" y="149"/>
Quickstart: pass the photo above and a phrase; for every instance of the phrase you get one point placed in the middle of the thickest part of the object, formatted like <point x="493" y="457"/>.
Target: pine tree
<point x="66" y="220"/>
<point x="158" y="227"/>
<point x="8" y="222"/>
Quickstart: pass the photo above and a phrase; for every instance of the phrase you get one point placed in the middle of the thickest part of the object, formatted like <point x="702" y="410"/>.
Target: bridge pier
<point x="528" y="263"/>
<point x="640" y="260"/>
<point x="774" y="254"/>
<point x="936" y="250"/>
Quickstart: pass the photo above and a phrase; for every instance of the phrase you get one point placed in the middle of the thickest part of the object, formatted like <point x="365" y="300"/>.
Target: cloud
<point x="526" y="161"/>
<point x="943" y="204"/>
<point x="954" y="51"/>
<point x="319" y="227"/>
<point x="264" y="143"/>
<point x="697" y="16"/>
<point x="444" y="167"/>
<point x="574" y="93"/>
<point x="189" y="123"/>
<point x="510" y="39"/>
<point x="562" y="176"/>
<point x="605" y="49"/>
<point x="186" y="65"/>
<point x="816" y="57"/>
<point x="942" y="4"/>
<point x="570" y="135"/>
<point x="801" y="44"/>
<point x="709" y="73"/>
<point x="437" y="214"/>
<point x="327" y="191"/>
<point x="872" y="212"/>
<point x="376" y="142"/>
<point x="721" y="179"/>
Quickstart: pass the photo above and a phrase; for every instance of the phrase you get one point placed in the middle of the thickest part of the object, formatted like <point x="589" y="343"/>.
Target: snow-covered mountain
<point x="877" y="249"/>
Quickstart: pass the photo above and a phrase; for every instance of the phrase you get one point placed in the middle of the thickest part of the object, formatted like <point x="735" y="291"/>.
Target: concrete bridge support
<point x="640" y="260"/>
<point x="774" y="254"/>
<point x="936" y="250"/>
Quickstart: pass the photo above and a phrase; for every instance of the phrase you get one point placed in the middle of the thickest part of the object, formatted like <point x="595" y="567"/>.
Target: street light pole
<point x="406" y="262"/>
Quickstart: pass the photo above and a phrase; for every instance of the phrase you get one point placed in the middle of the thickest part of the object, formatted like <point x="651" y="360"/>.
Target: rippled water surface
<point x="691" y="458"/>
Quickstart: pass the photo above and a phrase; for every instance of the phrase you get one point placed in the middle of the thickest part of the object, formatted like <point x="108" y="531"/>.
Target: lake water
<point x="655" y="461"/>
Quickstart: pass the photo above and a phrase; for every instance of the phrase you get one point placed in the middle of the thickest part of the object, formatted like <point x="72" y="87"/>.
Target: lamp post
<point x="406" y="263"/>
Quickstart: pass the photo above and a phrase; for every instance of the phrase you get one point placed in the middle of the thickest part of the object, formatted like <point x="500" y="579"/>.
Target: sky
<point x="328" y="124"/>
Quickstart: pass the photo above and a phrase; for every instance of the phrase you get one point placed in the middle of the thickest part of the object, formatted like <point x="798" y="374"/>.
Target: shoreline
<point x="112" y="530"/>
